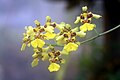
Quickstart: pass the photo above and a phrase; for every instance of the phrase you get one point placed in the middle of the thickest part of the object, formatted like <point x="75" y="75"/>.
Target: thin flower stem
<point x="96" y="31"/>
<point x="101" y="34"/>
<point x="90" y="39"/>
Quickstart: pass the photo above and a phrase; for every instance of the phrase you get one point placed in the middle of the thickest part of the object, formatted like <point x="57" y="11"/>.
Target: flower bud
<point x="48" y="18"/>
<point x="68" y="26"/>
<point x="37" y="22"/>
<point x="84" y="8"/>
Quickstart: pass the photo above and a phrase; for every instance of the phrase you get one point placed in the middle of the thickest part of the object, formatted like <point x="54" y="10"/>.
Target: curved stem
<point x="90" y="39"/>
<point x="96" y="31"/>
<point x="101" y="34"/>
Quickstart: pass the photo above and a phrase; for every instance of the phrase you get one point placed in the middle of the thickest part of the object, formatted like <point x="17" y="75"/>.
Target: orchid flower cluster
<point x="66" y="37"/>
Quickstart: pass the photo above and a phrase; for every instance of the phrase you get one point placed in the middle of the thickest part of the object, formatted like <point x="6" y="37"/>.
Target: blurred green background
<point x="96" y="60"/>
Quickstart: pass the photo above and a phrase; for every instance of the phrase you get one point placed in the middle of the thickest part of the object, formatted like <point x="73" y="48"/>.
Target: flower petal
<point x="53" y="67"/>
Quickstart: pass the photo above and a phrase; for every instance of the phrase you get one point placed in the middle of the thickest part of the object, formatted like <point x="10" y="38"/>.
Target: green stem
<point x="90" y="39"/>
<point x="96" y="31"/>
<point x="101" y="34"/>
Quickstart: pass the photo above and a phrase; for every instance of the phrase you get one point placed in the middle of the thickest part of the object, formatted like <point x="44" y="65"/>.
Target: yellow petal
<point x="70" y="47"/>
<point x="59" y="37"/>
<point x="83" y="27"/>
<point x="49" y="29"/>
<point x="49" y="35"/>
<point x="44" y="56"/>
<point x="30" y="30"/>
<point x="90" y="27"/>
<point x="35" y="55"/>
<point x="53" y="67"/>
<point x="61" y="26"/>
<point x="77" y="20"/>
<point x="81" y="34"/>
<point x="23" y="47"/>
<point x="34" y="43"/>
<point x="65" y="52"/>
<point x="45" y="49"/>
<point x="40" y="43"/>
<point x="84" y="8"/>
<point x="87" y="26"/>
<point x="75" y="29"/>
<point x="35" y="62"/>
<point x="97" y="16"/>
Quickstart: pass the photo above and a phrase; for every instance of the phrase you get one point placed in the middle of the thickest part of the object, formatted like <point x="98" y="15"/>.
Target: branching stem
<point x="92" y="38"/>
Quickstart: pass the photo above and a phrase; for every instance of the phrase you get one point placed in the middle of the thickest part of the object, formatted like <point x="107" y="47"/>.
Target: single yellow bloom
<point x="70" y="47"/>
<point x="53" y="67"/>
<point x="37" y="43"/>
<point x="35" y="62"/>
<point x="49" y="35"/>
<point x="87" y="27"/>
